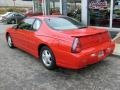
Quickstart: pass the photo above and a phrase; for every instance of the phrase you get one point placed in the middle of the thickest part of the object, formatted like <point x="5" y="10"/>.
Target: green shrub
<point x="12" y="9"/>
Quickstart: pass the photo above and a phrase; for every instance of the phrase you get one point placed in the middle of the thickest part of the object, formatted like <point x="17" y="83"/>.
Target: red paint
<point x="92" y="41"/>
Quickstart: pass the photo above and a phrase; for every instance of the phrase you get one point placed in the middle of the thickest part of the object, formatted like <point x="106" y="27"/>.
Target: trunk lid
<point x="83" y="32"/>
<point x="90" y="37"/>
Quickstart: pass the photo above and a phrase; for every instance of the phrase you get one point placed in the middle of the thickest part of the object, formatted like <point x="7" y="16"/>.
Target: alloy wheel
<point x="46" y="57"/>
<point x="9" y="41"/>
<point x="13" y="21"/>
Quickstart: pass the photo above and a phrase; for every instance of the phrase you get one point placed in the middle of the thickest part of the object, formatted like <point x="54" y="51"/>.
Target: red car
<point x="60" y="41"/>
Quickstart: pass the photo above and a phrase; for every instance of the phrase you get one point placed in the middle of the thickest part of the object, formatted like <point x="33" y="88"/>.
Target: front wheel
<point x="47" y="57"/>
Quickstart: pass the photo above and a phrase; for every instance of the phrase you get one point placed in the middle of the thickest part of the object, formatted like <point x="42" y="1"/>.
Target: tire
<point x="47" y="57"/>
<point x="9" y="41"/>
<point x="13" y="22"/>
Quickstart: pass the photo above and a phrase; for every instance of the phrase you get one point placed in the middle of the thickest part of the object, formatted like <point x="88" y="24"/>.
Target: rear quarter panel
<point x="51" y="42"/>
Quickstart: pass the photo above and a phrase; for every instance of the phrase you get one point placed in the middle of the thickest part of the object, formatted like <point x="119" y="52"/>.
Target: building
<point x="100" y="13"/>
<point x="19" y="3"/>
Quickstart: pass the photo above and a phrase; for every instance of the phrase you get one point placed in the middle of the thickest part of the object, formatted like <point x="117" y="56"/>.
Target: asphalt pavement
<point x="3" y="27"/>
<point x="21" y="71"/>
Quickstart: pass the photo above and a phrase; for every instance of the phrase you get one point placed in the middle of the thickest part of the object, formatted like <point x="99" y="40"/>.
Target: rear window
<point x="63" y="23"/>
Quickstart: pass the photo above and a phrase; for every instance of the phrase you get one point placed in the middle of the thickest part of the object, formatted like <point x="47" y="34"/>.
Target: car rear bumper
<point x="86" y="57"/>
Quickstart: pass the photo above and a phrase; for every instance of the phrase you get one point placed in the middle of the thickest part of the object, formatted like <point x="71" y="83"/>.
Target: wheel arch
<point x="40" y="46"/>
<point x="7" y="33"/>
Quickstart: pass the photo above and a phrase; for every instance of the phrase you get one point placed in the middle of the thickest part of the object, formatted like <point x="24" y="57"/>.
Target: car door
<point x="21" y="33"/>
<point x="32" y="41"/>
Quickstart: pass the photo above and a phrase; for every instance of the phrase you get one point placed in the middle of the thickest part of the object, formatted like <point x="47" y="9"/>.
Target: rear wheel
<point x="9" y="41"/>
<point x="47" y="58"/>
<point x="13" y="22"/>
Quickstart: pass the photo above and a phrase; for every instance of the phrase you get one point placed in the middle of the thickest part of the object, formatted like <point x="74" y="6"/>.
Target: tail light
<point x="76" y="47"/>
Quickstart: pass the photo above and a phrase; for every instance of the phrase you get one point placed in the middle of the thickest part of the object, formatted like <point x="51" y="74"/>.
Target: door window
<point x="26" y="24"/>
<point x="36" y="24"/>
<point x="18" y="15"/>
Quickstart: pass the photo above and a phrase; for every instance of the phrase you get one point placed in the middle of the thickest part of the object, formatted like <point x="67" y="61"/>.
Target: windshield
<point x="9" y="15"/>
<point x="63" y="23"/>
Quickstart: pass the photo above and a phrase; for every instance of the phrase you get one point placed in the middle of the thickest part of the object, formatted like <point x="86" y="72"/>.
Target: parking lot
<point x="21" y="71"/>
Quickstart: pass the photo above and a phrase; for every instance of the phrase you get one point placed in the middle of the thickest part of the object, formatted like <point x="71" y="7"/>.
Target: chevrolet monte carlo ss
<point x="60" y="41"/>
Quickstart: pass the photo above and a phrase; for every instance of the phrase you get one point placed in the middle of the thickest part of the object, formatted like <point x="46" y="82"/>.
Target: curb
<point x="118" y="35"/>
<point x="118" y="56"/>
<point x="117" y="49"/>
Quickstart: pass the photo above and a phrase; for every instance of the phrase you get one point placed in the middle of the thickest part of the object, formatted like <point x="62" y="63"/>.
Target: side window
<point x="26" y="24"/>
<point x="36" y="24"/>
<point x="13" y="15"/>
<point x="18" y="15"/>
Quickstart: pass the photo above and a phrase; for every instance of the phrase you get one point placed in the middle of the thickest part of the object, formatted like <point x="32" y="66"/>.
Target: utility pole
<point x="14" y="2"/>
<point x="14" y="10"/>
